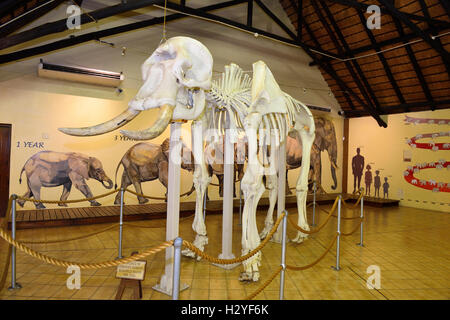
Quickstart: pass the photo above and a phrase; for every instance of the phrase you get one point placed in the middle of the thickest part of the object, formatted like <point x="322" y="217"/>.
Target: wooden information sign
<point x="131" y="274"/>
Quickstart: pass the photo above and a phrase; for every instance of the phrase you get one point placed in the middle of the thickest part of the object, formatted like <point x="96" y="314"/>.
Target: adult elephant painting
<point x="147" y="162"/>
<point x="325" y="140"/>
<point x="53" y="169"/>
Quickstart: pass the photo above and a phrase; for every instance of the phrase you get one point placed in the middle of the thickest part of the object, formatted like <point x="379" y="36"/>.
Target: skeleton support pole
<point x="173" y="207"/>
<point x="228" y="185"/>
<point x="283" y="255"/>
<point x="314" y="204"/>
<point x="281" y="162"/>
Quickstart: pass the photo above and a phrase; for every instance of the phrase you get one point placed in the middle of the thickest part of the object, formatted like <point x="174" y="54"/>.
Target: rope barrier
<point x="355" y="204"/>
<point x="269" y="281"/>
<point x="209" y="258"/>
<point x="20" y="245"/>
<point x="67" y="201"/>
<point x="98" y="265"/>
<point x="290" y="267"/>
<point x="153" y="227"/>
<point x="69" y="239"/>
<point x="354" y="230"/>
<point x="296" y="226"/>
<point x="157" y="198"/>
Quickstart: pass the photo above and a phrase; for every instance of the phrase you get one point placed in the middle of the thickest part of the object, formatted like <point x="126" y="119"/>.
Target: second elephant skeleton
<point x="178" y="79"/>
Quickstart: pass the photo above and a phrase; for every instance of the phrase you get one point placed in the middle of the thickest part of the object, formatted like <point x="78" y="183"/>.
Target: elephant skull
<point x="175" y="78"/>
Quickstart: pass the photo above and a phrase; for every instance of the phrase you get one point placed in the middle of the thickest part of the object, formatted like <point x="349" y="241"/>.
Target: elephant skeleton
<point x="178" y="79"/>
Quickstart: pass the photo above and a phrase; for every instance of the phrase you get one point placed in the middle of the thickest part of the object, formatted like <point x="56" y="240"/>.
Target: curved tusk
<point x="119" y="121"/>
<point x="158" y="127"/>
<point x="333" y="164"/>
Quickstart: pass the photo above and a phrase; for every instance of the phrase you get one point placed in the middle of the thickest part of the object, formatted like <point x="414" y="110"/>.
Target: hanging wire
<point x="85" y="12"/>
<point x="164" y="23"/>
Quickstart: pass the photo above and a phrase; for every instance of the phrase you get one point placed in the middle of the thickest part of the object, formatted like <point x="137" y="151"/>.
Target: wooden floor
<point x="410" y="246"/>
<point x="89" y="215"/>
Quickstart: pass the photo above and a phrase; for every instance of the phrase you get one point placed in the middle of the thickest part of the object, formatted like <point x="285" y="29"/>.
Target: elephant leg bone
<point x="253" y="189"/>
<point x="302" y="183"/>
<point x="201" y="181"/>
<point x="272" y="186"/>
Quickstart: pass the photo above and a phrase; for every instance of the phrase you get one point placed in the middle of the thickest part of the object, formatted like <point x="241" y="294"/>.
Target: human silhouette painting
<point x="368" y="179"/>
<point x="385" y="188"/>
<point x="357" y="169"/>
<point x="377" y="183"/>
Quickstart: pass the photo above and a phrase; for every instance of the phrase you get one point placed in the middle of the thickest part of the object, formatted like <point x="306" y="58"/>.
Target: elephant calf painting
<point x="147" y="162"/>
<point x="53" y="169"/>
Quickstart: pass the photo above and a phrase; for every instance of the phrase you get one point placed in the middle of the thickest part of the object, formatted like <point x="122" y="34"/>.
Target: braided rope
<point x="265" y="284"/>
<point x="355" y="204"/>
<point x="69" y="239"/>
<point x="318" y="260"/>
<point x="98" y="265"/>
<point x="144" y="196"/>
<point x="156" y="198"/>
<point x="154" y="227"/>
<point x="67" y="201"/>
<point x="296" y="226"/>
<point x="209" y="258"/>
<point x="354" y="229"/>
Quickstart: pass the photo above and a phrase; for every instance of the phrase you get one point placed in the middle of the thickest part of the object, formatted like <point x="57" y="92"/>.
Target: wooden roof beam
<point x="383" y="60"/>
<point x="364" y="6"/>
<point x="417" y="69"/>
<point x="299" y="19"/>
<point x="432" y="42"/>
<point x="61" y="25"/>
<point x="364" y="87"/>
<point x="328" y="68"/>
<point x="25" y="18"/>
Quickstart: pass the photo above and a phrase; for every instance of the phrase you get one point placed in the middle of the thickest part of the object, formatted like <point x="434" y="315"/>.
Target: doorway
<point x="5" y="156"/>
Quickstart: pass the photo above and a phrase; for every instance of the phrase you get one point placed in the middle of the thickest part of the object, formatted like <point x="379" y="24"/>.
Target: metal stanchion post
<point x="362" y="217"/>
<point x="14" y="284"/>
<point x="283" y="255"/>
<point x="120" y="256"/>
<point x="337" y="268"/>
<point x="314" y="205"/>
<point x="240" y="204"/>
<point x="176" y="268"/>
<point x="204" y="204"/>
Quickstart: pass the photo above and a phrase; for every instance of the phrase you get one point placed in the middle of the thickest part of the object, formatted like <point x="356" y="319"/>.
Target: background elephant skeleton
<point x="53" y="169"/>
<point x="178" y="79"/>
<point x="325" y="141"/>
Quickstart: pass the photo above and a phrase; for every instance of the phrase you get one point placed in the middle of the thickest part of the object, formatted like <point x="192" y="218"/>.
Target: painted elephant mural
<point x="325" y="140"/>
<point x="53" y="169"/>
<point x="147" y="162"/>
